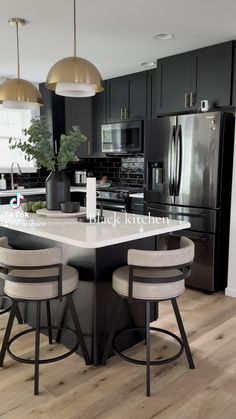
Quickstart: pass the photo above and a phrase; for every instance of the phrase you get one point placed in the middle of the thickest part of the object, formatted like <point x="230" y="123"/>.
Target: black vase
<point x="57" y="190"/>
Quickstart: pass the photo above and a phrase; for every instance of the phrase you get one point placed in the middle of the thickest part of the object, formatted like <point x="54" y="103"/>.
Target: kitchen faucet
<point x="12" y="173"/>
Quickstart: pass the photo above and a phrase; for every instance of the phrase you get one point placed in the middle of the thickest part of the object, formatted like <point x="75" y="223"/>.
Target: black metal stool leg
<point x="8" y="331"/>
<point x="26" y="312"/>
<point x="62" y="322"/>
<point x="18" y="316"/>
<point x="112" y="330"/>
<point x="37" y="343"/>
<point x="182" y="333"/>
<point x="156" y="310"/>
<point x="49" y="320"/>
<point x="78" y="329"/>
<point x="147" y="334"/>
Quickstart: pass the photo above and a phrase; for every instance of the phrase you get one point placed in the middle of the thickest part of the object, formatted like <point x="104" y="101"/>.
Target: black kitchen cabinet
<point x="214" y="68"/>
<point x="99" y="118"/>
<point x="234" y="76"/>
<point x="127" y="97"/>
<point x="176" y="82"/>
<point x="117" y="99"/>
<point x="78" y="112"/>
<point x="184" y="80"/>
<point x="136" y="205"/>
<point x="152" y="93"/>
<point x="54" y="111"/>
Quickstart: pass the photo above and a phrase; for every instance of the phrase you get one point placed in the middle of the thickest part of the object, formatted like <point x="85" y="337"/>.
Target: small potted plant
<point x="39" y="147"/>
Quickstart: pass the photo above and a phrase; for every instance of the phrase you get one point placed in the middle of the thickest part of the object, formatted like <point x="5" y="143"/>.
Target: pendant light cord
<point x="18" y="50"/>
<point x="75" y="40"/>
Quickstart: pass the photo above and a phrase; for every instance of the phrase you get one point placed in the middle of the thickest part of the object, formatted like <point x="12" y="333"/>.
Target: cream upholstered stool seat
<point x="153" y="276"/>
<point x="144" y="290"/>
<point x="26" y="281"/>
<point x="41" y="290"/>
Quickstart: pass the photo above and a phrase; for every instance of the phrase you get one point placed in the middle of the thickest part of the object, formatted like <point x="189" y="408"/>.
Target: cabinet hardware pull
<point x="186" y="105"/>
<point x="121" y="113"/>
<point x="126" y="113"/>
<point x="89" y="148"/>
<point x="55" y="147"/>
<point x="191" y="99"/>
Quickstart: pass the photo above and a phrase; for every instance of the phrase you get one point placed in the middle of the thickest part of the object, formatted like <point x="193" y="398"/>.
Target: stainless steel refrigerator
<point x="188" y="172"/>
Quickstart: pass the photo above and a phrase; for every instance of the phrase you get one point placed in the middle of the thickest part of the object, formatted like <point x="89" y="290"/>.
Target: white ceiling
<point x="116" y="35"/>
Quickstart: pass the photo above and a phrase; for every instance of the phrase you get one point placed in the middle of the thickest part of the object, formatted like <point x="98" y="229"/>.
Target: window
<point x="12" y="122"/>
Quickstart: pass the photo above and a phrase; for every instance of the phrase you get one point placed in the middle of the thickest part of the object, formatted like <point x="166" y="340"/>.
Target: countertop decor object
<point x="58" y="214"/>
<point x="39" y="147"/>
<point x="74" y="76"/>
<point x="18" y="93"/>
<point x="70" y="207"/>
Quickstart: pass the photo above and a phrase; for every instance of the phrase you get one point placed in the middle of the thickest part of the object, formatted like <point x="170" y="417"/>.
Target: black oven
<point x="123" y="138"/>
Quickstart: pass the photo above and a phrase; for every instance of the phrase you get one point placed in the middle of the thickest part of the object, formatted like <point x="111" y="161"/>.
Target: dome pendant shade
<point x="19" y="94"/>
<point x="75" y="77"/>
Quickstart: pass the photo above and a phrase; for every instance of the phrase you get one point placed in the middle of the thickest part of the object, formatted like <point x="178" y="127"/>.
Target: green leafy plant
<point x="39" y="145"/>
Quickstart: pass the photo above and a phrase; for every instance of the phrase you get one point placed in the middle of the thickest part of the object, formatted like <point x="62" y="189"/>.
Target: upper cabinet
<point x="214" y="70"/>
<point x="99" y="118"/>
<point x="78" y="112"/>
<point x="54" y="111"/>
<point x="176" y="83"/>
<point x="184" y="80"/>
<point x="127" y="97"/>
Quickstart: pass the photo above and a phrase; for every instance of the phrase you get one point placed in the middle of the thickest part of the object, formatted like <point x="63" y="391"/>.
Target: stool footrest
<point x="6" y="304"/>
<point x="46" y="360"/>
<point x="141" y="362"/>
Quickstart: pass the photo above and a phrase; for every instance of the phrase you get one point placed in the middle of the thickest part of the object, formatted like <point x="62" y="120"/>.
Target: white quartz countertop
<point x="117" y="227"/>
<point x="36" y="191"/>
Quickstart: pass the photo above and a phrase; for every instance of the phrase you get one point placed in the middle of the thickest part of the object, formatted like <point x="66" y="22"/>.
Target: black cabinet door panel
<point x="99" y="118"/>
<point x="138" y="96"/>
<point x="214" y="66"/>
<point x="176" y="78"/>
<point x="117" y="98"/>
<point x="78" y="112"/>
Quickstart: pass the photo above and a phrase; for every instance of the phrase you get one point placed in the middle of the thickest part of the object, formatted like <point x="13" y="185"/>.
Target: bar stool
<point x="26" y="281"/>
<point x="152" y="276"/>
<point x="6" y="302"/>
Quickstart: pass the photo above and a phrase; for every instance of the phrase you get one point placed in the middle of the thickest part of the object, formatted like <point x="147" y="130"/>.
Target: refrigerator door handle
<point x="179" y="213"/>
<point x="178" y="160"/>
<point x="171" y="161"/>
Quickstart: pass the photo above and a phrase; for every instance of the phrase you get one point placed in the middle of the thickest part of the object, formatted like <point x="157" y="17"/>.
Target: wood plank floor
<point x="71" y="390"/>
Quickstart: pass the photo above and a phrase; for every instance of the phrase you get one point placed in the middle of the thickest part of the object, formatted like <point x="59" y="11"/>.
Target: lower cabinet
<point x="136" y="206"/>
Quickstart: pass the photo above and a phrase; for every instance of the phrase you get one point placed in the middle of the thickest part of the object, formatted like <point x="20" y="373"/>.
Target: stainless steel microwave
<point x="123" y="138"/>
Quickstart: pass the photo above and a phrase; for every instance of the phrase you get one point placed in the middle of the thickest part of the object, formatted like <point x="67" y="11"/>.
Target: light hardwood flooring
<point x="70" y="390"/>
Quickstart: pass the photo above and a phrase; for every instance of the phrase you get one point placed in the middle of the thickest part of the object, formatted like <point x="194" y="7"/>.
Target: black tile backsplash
<point x="28" y="180"/>
<point x="126" y="170"/>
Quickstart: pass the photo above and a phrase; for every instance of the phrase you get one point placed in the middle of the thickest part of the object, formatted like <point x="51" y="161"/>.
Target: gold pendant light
<point x="19" y="93"/>
<point x="74" y="76"/>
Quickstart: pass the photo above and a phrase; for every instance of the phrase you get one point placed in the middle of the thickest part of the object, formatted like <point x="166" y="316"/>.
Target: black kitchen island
<point x="96" y="250"/>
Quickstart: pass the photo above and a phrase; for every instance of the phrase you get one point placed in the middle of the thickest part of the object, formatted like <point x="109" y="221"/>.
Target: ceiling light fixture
<point x="163" y="36"/>
<point x="18" y="93"/>
<point x="74" y="76"/>
<point x="148" y="64"/>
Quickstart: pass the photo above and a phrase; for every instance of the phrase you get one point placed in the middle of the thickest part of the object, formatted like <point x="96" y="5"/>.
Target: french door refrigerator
<point x="188" y="171"/>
